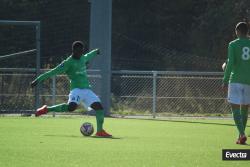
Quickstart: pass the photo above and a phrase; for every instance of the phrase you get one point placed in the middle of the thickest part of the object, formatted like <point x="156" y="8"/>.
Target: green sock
<point x="99" y="119"/>
<point x="244" y="116"/>
<point x="58" y="108"/>
<point x="238" y="121"/>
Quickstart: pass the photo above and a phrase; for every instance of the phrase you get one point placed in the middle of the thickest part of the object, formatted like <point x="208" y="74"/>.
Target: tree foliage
<point x="146" y="34"/>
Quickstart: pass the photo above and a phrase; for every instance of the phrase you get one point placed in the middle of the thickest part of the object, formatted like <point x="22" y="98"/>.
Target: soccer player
<point x="75" y="68"/>
<point x="237" y="78"/>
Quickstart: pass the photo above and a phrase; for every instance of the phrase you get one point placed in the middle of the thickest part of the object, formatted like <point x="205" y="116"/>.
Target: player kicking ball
<point x="75" y="68"/>
<point x="236" y="78"/>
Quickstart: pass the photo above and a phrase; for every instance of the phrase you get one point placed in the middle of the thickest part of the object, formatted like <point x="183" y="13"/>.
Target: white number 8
<point x="246" y="53"/>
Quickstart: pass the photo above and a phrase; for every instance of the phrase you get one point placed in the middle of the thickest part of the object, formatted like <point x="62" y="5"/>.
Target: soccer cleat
<point x="241" y="140"/>
<point x="41" y="111"/>
<point x="102" y="134"/>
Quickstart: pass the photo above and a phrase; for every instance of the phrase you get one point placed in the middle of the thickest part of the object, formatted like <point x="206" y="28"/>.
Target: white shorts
<point x="87" y="96"/>
<point x="239" y="93"/>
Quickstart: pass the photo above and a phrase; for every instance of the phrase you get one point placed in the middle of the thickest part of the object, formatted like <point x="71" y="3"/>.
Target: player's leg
<point x="97" y="106"/>
<point x="93" y="101"/>
<point x="73" y="102"/>
<point x="71" y="106"/>
<point x="246" y="102"/>
<point x="235" y="99"/>
<point x="244" y="115"/>
<point x="56" y="108"/>
<point x="238" y="118"/>
<point x="239" y="123"/>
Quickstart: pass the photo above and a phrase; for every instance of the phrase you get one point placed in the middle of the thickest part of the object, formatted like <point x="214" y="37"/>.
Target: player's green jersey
<point x="75" y="69"/>
<point x="238" y="62"/>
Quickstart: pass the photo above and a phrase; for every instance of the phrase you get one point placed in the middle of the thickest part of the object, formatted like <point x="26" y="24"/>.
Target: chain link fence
<point x="16" y="95"/>
<point x="169" y="93"/>
<point x="133" y="92"/>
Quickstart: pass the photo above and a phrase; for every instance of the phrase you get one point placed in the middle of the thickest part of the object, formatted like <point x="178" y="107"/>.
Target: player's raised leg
<point x="56" y="108"/>
<point x="73" y="102"/>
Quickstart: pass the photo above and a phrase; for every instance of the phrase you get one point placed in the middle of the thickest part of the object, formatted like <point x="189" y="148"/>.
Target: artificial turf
<point x="57" y="142"/>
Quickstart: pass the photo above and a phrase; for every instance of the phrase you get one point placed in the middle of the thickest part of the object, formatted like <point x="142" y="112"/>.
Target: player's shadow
<point x="74" y="136"/>
<point x="95" y="137"/>
<point x="191" y="122"/>
<point x="71" y="136"/>
<point x="248" y="145"/>
<point x="205" y="123"/>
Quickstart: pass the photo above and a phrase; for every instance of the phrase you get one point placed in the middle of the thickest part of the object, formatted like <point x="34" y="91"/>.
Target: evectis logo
<point x="235" y="154"/>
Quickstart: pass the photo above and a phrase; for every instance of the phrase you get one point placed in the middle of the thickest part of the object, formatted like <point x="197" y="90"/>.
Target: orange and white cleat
<point x="103" y="133"/>
<point x="41" y="111"/>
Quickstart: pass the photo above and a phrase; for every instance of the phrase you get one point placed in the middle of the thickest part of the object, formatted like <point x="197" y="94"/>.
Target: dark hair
<point x="77" y="45"/>
<point x="242" y="27"/>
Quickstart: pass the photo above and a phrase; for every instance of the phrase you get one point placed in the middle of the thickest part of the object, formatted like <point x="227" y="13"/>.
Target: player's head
<point x="241" y="29"/>
<point x="77" y="49"/>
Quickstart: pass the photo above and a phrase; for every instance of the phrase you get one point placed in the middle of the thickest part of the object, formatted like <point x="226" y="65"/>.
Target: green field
<point x="57" y="142"/>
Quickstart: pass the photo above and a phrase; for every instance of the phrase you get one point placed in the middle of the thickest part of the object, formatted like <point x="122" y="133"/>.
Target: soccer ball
<point x="87" y="129"/>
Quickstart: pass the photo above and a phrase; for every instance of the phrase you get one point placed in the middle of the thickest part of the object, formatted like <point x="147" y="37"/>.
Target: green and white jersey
<point x="75" y="69"/>
<point x="238" y="62"/>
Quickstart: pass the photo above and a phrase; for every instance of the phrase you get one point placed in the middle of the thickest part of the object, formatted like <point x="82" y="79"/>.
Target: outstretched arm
<point x="91" y="54"/>
<point x="61" y="68"/>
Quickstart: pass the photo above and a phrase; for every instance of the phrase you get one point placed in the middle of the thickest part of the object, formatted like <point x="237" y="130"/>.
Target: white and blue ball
<point x="87" y="129"/>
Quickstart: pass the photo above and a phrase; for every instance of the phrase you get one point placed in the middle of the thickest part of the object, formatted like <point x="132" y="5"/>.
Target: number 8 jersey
<point x="238" y="62"/>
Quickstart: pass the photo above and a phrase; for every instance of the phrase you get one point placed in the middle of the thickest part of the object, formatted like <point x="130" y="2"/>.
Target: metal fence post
<point x="54" y="92"/>
<point x="37" y="92"/>
<point x="2" y="91"/>
<point x="154" y="93"/>
<point x="100" y="37"/>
